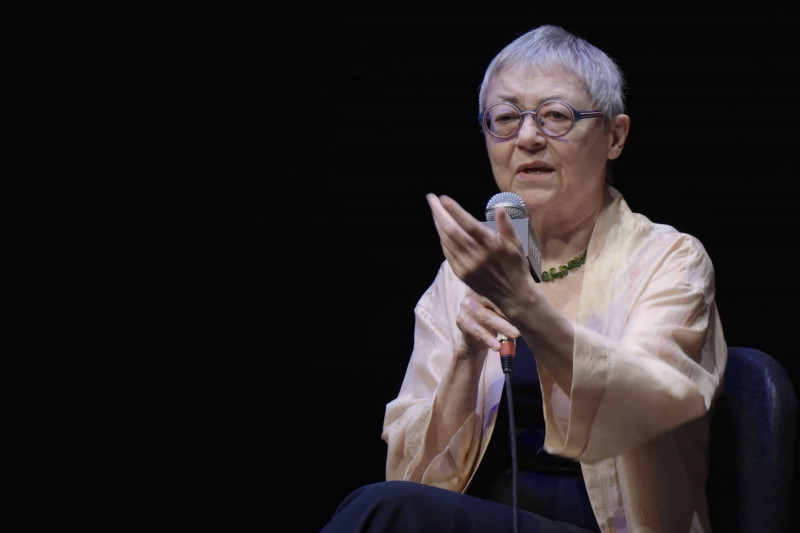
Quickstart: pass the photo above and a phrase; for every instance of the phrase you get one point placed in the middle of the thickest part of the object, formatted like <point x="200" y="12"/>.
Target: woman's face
<point x="551" y="172"/>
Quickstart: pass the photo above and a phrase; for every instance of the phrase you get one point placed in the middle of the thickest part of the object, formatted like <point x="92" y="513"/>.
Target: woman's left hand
<point x="491" y="263"/>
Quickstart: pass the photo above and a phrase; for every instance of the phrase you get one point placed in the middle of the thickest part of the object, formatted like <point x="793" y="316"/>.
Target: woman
<point x="626" y="346"/>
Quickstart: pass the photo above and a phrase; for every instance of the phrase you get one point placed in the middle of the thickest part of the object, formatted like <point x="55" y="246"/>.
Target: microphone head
<point x="512" y="203"/>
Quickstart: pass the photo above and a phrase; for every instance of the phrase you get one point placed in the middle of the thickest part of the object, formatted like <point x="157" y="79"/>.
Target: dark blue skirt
<point x="551" y="494"/>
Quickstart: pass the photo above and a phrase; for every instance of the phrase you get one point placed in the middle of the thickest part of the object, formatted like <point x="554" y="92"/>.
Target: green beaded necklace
<point x="563" y="270"/>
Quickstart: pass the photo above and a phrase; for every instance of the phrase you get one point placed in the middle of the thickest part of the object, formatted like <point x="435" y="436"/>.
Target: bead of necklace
<point x="554" y="274"/>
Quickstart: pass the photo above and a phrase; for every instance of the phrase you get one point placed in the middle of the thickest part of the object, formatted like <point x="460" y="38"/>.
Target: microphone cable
<point x="514" y="207"/>
<point x="507" y="350"/>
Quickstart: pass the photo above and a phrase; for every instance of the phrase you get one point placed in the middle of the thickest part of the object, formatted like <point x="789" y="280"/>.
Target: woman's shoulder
<point x="655" y="234"/>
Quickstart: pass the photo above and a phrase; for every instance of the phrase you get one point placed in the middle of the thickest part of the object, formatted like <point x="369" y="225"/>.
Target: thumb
<point x="504" y="226"/>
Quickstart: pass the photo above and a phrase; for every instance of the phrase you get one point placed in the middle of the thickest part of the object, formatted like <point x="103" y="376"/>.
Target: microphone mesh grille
<point x="513" y="204"/>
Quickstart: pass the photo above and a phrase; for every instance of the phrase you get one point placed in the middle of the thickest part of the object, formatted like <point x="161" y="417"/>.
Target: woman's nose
<point x="529" y="130"/>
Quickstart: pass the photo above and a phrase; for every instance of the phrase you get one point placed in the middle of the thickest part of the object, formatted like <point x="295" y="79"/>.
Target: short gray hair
<point x="553" y="47"/>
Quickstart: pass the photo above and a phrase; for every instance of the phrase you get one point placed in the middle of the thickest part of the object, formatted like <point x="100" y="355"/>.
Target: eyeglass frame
<point x="576" y="116"/>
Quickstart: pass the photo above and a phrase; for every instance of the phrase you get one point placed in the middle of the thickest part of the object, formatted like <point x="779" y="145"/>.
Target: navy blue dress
<point x="551" y="495"/>
<point x="548" y="485"/>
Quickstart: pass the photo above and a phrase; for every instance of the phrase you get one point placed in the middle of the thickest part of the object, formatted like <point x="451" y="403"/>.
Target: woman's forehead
<point x="523" y="79"/>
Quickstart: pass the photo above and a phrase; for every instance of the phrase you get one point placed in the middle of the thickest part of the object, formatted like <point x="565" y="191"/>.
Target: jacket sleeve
<point x="648" y="354"/>
<point x="408" y="416"/>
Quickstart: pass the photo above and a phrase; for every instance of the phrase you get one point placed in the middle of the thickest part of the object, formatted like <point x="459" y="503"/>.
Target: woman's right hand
<point x="480" y="322"/>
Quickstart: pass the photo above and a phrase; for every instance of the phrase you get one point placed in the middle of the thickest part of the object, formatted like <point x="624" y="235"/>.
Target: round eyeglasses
<point x="553" y="117"/>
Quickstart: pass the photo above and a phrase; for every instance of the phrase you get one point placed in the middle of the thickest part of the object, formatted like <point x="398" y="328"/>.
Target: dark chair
<point x="753" y="437"/>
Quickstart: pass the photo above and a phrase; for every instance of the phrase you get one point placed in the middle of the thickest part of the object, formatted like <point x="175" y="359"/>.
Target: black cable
<point x="506" y="359"/>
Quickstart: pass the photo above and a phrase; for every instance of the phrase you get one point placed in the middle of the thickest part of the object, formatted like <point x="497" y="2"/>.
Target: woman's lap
<point x="404" y="507"/>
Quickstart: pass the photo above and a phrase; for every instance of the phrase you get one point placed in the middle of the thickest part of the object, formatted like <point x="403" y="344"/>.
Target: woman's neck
<point x="566" y="235"/>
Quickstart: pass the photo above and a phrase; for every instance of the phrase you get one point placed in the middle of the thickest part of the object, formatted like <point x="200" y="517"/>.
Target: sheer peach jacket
<point x="648" y="360"/>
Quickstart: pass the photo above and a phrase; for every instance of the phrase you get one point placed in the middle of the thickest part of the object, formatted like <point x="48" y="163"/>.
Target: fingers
<point x="462" y="247"/>
<point x="482" y="322"/>
<point x="459" y="226"/>
<point x="461" y="235"/>
<point x="453" y="222"/>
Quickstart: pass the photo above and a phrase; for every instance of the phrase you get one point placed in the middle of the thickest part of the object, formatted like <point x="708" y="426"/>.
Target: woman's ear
<point x="618" y="130"/>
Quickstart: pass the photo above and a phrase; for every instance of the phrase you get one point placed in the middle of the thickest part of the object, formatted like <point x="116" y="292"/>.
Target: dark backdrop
<point x="214" y="228"/>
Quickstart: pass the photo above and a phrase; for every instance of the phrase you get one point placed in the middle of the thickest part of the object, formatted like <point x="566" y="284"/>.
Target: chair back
<point x="753" y="438"/>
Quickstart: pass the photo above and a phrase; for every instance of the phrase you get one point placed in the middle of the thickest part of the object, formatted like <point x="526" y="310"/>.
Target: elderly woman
<point x="620" y="347"/>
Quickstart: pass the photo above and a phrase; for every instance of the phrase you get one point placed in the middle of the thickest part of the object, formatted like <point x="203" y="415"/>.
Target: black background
<point x="214" y="228"/>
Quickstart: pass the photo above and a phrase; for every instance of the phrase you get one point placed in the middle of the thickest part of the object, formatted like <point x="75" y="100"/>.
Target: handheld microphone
<point x="515" y="209"/>
<point x="531" y="247"/>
